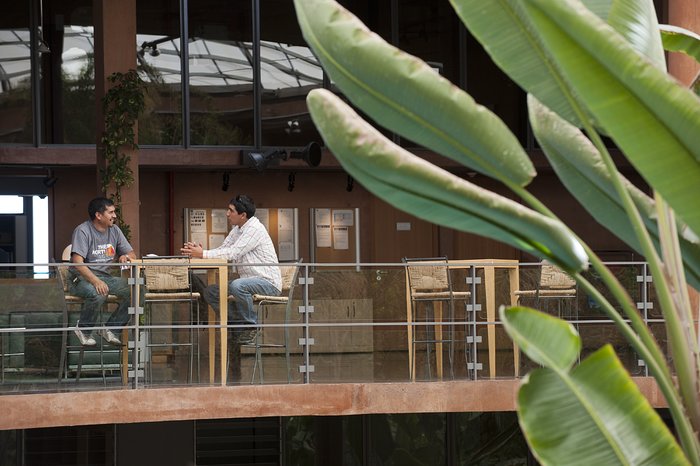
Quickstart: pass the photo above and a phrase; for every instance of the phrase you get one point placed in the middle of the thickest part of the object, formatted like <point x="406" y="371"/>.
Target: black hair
<point x="99" y="204"/>
<point x="243" y="203"/>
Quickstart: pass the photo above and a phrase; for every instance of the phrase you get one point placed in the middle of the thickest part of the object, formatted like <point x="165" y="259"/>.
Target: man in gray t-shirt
<point x="99" y="242"/>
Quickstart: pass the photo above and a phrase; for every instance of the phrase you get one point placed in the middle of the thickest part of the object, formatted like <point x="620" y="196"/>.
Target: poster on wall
<point x="340" y="238"/>
<point x="323" y="228"/>
<point x="285" y="234"/>
<point x="216" y="240"/>
<point x="198" y="220"/>
<point x="264" y="217"/>
<point x="342" y="218"/>
<point x="219" y="222"/>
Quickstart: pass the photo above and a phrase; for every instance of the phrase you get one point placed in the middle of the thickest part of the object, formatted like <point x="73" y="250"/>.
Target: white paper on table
<point x="286" y="251"/>
<point x="323" y="236"/>
<point x="219" y="223"/>
<point x="200" y="238"/>
<point x="198" y="220"/>
<point x="340" y="238"/>
<point x="215" y="241"/>
<point x="342" y="218"/>
<point x="264" y="217"/>
<point x="323" y="217"/>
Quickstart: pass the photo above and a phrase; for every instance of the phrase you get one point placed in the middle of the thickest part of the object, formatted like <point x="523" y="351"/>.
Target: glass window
<point x="288" y="71"/>
<point x="15" y="83"/>
<point x="158" y="56"/>
<point x="399" y="439"/>
<point x="68" y="73"/>
<point x="221" y="72"/>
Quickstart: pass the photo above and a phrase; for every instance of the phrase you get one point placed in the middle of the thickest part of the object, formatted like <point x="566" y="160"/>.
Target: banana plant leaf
<point x="654" y="120"/>
<point x="428" y="192"/>
<point x="593" y="414"/>
<point x="678" y="39"/>
<point x="407" y="96"/>
<point x="579" y="166"/>
<point x="636" y="21"/>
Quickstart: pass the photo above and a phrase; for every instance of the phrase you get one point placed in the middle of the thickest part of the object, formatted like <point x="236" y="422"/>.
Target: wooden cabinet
<point x="347" y="336"/>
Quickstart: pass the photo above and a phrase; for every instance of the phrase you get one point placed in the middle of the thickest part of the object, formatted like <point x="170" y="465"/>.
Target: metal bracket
<point x="305" y="281"/>
<point x="309" y="369"/>
<point x="479" y="366"/>
<point x="135" y="281"/>
<point x="475" y="280"/>
<point x="306" y="309"/>
<point x="643" y="305"/>
<point x="135" y="310"/>
<point x="640" y="362"/>
<point x="306" y="341"/>
<point x="473" y="307"/>
<point x="649" y="278"/>
<point x="476" y="339"/>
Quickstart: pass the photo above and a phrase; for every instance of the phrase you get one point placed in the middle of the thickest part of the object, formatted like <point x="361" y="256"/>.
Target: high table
<point x="213" y="266"/>
<point x="489" y="266"/>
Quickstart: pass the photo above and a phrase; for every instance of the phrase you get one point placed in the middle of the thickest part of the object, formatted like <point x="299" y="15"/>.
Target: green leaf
<point x="678" y="39"/>
<point x="546" y="340"/>
<point x="509" y="37"/>
<point x="428" y="192"/>
<point x="579" y="166"/>
<point x="407" y="96"/>
<point x="636" y="21"/>
<point x="593" y="415"/>
<point x="654" y="120"/>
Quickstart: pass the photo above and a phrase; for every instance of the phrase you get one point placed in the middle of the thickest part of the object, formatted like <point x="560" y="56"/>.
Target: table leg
<point x="223" y="306"/>
<point x="212" y="346"/>
<point x="409" y="331"/>
<point x="438" y="338"/>
<point x="514" y="283"/>
<point x="490" y="297"/>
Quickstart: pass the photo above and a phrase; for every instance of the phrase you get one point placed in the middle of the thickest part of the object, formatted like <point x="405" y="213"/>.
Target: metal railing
<point x="344" y="323"/>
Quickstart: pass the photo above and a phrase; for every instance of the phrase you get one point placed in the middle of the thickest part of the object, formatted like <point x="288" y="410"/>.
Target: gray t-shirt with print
<point x="98" y="247"/>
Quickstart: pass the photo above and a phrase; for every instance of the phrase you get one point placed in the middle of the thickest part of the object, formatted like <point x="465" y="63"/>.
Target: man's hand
<point x="100" y="286"/>
<point x="193" y="250"/>
<point x="124" y="258"/>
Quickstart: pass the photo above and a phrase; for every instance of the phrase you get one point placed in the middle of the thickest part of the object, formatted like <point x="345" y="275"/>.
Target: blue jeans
<point x="241" y="310"/>
<point x="118" y="286"/>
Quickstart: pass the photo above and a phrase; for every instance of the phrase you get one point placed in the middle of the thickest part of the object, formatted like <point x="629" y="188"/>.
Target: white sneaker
<point x="85" y="340"/>
<point x="110" y="337"/>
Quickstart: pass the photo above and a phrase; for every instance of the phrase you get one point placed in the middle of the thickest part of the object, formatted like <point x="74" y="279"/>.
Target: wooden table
<point x="490" y="266"/>
<point x="213" y="266"/>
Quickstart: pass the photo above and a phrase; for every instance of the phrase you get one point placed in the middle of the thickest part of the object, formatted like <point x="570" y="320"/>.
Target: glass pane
<point x="221" y="73"/>
<point x="489" y="438"/>
<point x="68" y="73"/>
<point x="15" y="66"/>
<point x="288" y="72"/>
<point x="158" y="55"/>
<point x="397" y="440"/>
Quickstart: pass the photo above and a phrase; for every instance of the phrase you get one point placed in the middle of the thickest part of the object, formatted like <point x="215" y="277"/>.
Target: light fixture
<point x="350" y="184"/>
<point x="49" y="180"/>
<point x="291" y="181"/>
<point x="41" y="45"/>
<point x="151" y="47"/>
<point x="225" y="183"/>
<point x="311" y="154"/>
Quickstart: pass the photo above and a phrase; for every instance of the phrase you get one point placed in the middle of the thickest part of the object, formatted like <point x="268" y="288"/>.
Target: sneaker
<point x="110" y="337"/>
<point x="85" y="340"/>
<point x="247" y="336"/>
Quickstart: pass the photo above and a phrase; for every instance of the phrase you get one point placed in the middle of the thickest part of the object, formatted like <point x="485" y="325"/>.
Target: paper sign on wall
<point x="340" y="238"/>
<point x="342" y="218"/>
<point x="219" y="223"/>
<point x="198" y="220"/>
<point x="264" y="217"/>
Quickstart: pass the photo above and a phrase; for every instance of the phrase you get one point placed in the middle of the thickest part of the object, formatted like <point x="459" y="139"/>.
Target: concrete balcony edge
<point x="193" y="403"/>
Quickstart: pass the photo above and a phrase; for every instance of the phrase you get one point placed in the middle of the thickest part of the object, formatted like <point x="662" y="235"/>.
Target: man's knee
<point x="237" y="288"/>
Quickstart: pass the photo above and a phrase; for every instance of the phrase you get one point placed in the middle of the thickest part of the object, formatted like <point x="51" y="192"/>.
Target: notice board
<point x="209" y="227"/>
<point x="335" y="234"/>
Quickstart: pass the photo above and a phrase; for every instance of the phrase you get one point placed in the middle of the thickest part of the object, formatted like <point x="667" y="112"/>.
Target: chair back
<point x="428" y="274"/>
<point x="553" y="278"/>
<point x="167" y="277"/>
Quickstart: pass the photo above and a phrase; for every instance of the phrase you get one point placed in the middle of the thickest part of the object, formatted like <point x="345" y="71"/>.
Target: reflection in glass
<point x="158" y="57"/>
<point x="288" y="72"/>
<point x="15" y="88"/>
<point x="221" y="73"/>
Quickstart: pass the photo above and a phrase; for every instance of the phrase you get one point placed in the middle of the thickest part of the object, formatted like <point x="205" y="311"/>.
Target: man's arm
<point x="87" y="274"/>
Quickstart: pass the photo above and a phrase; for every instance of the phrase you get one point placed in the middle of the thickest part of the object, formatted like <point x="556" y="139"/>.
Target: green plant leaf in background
<point x="579" y="166"/>
<point x="678" y="39"/>
<point x="654" y="120"/>
<point x="593" y="414"/>
<point x="408" y="97"/>
<point x="426" y="191"/>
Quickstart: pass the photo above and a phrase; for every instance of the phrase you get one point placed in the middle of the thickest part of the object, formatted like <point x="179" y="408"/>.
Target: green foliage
<point x="589" y="73"/>
<point x="122" y="104"/>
